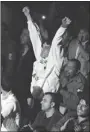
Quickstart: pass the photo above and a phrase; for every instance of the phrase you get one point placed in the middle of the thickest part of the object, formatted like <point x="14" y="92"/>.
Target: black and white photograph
<point x="45" y="66"/>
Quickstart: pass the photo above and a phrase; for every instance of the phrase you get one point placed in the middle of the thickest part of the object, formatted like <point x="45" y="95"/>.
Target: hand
<point x="77" y="128"/>
<point x="26" y="11"/>
<point x="65" y="22"/>
<point x="65" y="124"/>
<point x="30" y="102"/>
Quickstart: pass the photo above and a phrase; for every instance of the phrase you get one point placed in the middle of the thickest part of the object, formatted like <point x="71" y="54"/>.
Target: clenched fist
<point x="26" y="11"/>
<point x="65" y="22"/>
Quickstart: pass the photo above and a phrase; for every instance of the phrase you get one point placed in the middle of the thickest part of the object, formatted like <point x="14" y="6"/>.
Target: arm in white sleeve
<point x="35" y="38"/>
<point x="58" y="36"/>
<point x="55" y="55"/>
<point x="7" y="110"/>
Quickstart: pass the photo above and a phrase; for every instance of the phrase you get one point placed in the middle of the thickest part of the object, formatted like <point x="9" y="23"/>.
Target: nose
<point x="41" y="102"/>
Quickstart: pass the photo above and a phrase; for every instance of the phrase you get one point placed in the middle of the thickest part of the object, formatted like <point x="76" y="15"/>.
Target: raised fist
<point x="26" y="11"/>
<point x="65" y="22"/>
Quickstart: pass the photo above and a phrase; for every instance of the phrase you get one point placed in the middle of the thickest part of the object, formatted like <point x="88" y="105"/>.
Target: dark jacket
<point x="24" y="74"/>
<point x="70" y="89"/>
<point x="84" y="126"/>
<point x="39" y="121"/>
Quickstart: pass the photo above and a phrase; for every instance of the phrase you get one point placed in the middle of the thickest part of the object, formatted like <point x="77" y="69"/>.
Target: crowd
<point x="45" y="85"/>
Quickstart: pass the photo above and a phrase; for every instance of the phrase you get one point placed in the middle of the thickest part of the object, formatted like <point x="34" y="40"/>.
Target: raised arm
<point x="55" y="59"/>
<point x="55" y="55"/>
<point x="58" y="36"/>
<point x="34" y="33"/>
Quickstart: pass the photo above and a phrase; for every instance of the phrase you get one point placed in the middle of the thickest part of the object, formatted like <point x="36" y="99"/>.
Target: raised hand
<point x="65" y="22"/>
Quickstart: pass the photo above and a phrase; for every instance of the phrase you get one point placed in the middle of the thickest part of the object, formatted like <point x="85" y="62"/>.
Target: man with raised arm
<point x="46" y="69"/>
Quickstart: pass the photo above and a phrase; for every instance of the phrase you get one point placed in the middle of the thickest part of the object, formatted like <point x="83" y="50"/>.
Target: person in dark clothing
<point x="80" y="123"/>
<point x="79" y="48"/>
<point x="48" y="116"/>
<point x="8" y="53"/>
<point x="72" y="83"/>
<point x="24" y="71"/>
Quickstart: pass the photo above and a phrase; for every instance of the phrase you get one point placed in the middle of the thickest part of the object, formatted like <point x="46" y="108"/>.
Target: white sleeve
<point x="8" y="109"/>
<point x="55" y="55"/>
<point x="58" y="36"/>
<point x="35" y="38"/>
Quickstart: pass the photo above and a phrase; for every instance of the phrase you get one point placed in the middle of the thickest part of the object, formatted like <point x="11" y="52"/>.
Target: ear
<point x="52" y="104"/>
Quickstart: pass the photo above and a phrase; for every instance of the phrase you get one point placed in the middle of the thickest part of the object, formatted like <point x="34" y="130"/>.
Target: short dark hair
<point x="6" y="84"/>
<point x="56" y="98"/>
<point x="77" y="63"/>
<point x="53" y="95"/>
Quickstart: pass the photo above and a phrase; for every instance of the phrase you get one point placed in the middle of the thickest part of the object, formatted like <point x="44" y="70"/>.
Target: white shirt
<point x="11" y="112"/>
<point x="47" y="73"/>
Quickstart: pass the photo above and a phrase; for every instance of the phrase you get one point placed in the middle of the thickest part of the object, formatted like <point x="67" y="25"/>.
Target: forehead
<point x="83" y="31"/>
<point x="25" y="32"/>
<point x="83" y="104"/>
<point x="82" y="101"/>
<point x="70" y="64"/>
<point x="47" y="97"/>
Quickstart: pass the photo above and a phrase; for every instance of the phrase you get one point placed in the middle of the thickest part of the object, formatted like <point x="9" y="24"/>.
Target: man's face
<point x="82" y="108"/>
<point x="24" y="38"/>
<point x="83" y="35"/>
<point x="70" y="69"/>
<point x="45" y="51"/>
<point x="46" y="102"/>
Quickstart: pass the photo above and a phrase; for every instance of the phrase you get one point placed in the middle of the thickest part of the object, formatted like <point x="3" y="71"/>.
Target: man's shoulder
<point x="12" y="98"/>
<point x="80" y="78"/>
<point x="86" y="126"/>
<point x="57" y="114"/>
<point x="41" y="113"/>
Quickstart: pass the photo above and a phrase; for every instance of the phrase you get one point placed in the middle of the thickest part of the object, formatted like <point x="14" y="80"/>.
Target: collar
<point x="6" y="96"/>
<point x="82" y="121"/>
<point x="49" y="113"/>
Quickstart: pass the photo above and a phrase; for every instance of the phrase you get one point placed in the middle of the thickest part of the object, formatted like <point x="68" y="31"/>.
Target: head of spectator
<point x="48" y="103"/>
<point x="24" y="38"/>
<point x="83" y="109"/>
<point x="5" y="85"/>
<point x="83" y="35"/>
<point x="4" y="30"/>
<point x="72" y="68"/>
